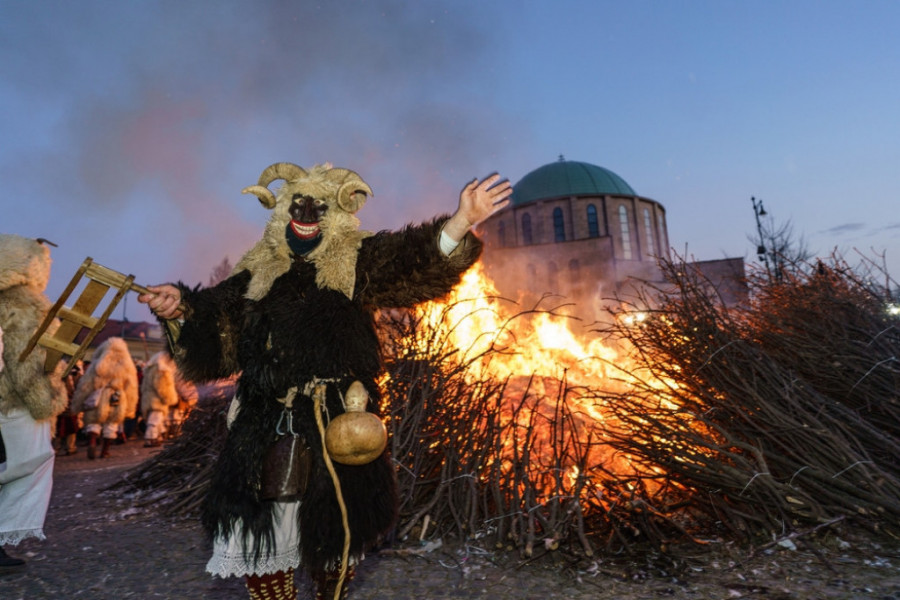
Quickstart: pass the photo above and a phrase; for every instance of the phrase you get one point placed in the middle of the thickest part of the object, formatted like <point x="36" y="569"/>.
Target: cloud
<point x="177" y="106"/>
<point x="843" y="229"/>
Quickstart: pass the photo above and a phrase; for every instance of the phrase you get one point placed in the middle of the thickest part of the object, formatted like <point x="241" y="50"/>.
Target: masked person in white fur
<point x="296" y="321"/>
<point x="158" y="396"/>
<point x="107" y="393"/>
<point x="30" y="399"/>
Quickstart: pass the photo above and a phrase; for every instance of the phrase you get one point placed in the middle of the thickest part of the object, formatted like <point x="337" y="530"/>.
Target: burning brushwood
<point x="698" y="422"/>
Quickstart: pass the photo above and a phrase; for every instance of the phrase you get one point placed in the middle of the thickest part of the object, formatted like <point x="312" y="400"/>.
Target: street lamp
<point x="758" y="212"/>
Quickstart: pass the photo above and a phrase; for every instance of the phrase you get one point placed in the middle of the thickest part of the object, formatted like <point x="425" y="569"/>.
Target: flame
<point x="477" y="319"/>
<point x="551" y="370"/>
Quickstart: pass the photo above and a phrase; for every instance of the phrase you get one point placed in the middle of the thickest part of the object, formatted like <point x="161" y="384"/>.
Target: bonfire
<point x="676" y="420"/>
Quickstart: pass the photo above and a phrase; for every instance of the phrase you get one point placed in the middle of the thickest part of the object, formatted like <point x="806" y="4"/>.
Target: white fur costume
<point x="30" y="400"/>
<point x="111" y="370"/>
<point x="158" y="394"/>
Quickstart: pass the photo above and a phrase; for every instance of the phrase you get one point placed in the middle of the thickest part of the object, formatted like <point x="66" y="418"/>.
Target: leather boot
<point x="272" y="586"/>
<point x="92" y="445"/>
<point x="8" y="563"/>
<point x="327" y="584"/>
<point x="104" y="453"/>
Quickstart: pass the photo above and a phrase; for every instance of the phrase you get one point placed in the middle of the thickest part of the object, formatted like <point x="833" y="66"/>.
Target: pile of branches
<point x="502" y="460"/>
<point x="776" y="415"/>
<point x="722" y="423"/>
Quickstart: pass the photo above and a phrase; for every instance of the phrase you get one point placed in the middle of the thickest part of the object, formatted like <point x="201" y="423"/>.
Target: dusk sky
<point x="128" y="128"/>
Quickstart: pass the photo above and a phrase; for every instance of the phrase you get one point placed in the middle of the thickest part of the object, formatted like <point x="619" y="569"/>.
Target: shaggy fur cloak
<point x="111" y="369"/>
<point x="24" y="273"/>
<point x="296" y="332"/>
<point x="158" y="390"/>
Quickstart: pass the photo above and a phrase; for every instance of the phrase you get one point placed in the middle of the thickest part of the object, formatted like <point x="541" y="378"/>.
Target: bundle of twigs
<point x="828" y="323"/>
<point x="174" y="481"/>
<point x="481" y="456"/>
<point x="747" y="414"/>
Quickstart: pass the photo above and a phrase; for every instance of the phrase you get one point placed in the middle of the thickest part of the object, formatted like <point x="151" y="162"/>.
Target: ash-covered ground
<point x="104" y="546"/>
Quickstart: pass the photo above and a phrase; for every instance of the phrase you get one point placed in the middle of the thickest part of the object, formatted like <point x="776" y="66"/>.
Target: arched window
<point x="626" y="232"/>
<point x="559" y="226"/>
<point x="553" y="277"/>
<point x="527" y="238"/>
<point x="593" y="223"/>
<point x="501" y="233"/>
<point x="648" y="229"/>
<point x="663" y="242"/>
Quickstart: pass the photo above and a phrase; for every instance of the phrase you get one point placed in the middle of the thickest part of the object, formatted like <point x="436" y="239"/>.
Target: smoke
<point x="155" y="115"/>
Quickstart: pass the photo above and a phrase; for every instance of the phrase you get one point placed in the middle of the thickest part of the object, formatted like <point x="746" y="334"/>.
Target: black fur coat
<point x="298" y="332"/>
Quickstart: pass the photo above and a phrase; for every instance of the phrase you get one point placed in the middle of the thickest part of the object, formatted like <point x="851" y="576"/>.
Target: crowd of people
<point x="114" y="399"/>
<point x="99" y="403"/>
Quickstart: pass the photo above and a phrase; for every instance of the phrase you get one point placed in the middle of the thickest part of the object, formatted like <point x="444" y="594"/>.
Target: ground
<point x="103" y="546"/>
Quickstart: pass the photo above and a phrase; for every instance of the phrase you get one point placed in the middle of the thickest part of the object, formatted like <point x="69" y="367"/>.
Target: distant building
<point x="580" y="231"/>
<point x="143" y="339"/>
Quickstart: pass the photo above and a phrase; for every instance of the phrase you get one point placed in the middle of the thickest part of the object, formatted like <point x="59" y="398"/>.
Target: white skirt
<point x="26" y="478"/>
<point x="228" y="556"/>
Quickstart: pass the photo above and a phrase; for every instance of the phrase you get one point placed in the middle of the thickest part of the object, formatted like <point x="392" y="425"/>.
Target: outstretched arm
<point x="477" y="201"/>
<point x="201" y="324"/>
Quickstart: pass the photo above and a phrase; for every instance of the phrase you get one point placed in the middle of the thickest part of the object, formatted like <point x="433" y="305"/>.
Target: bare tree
<point x="777" y="245"/>
<point x="221" y="272"/>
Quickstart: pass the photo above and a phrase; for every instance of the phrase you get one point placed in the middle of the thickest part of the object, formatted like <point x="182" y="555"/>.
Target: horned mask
<point x="339" y="193"/>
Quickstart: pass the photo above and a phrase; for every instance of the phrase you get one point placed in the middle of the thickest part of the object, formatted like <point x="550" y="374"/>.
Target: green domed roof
<point x="568" y="178"/>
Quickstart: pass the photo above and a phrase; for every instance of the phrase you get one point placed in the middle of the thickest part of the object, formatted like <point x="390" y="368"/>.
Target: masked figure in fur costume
<point x="296" y="321"/>
<point x="158" y="396"/>
<point x="107" y="393"/>
<point x="30" y="399"/>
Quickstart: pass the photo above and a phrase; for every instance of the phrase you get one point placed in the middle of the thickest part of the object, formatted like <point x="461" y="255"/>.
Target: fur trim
<point x="207" y="344"/>
<point x="335" y="257"/>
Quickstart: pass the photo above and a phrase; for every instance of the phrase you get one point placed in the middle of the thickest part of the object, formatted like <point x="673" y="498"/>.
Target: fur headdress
<point x="24" y="273"/>
<point x="335" y="257"/>
<point x="25" y="262"/>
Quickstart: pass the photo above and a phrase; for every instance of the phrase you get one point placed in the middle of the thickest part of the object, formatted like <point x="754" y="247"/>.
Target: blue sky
<point x="128" y="129"/>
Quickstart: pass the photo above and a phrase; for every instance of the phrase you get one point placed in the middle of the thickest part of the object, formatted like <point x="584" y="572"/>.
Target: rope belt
<point x="320" y="388"/>
<point x="317" y="388"/>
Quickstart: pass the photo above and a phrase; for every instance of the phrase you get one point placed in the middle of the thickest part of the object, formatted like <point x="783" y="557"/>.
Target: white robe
<point x="26" y="478"/>
<point x="228" y="556"/>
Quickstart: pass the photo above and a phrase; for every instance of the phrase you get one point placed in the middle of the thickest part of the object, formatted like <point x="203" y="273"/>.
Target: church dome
<point x="568" y="178"/>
